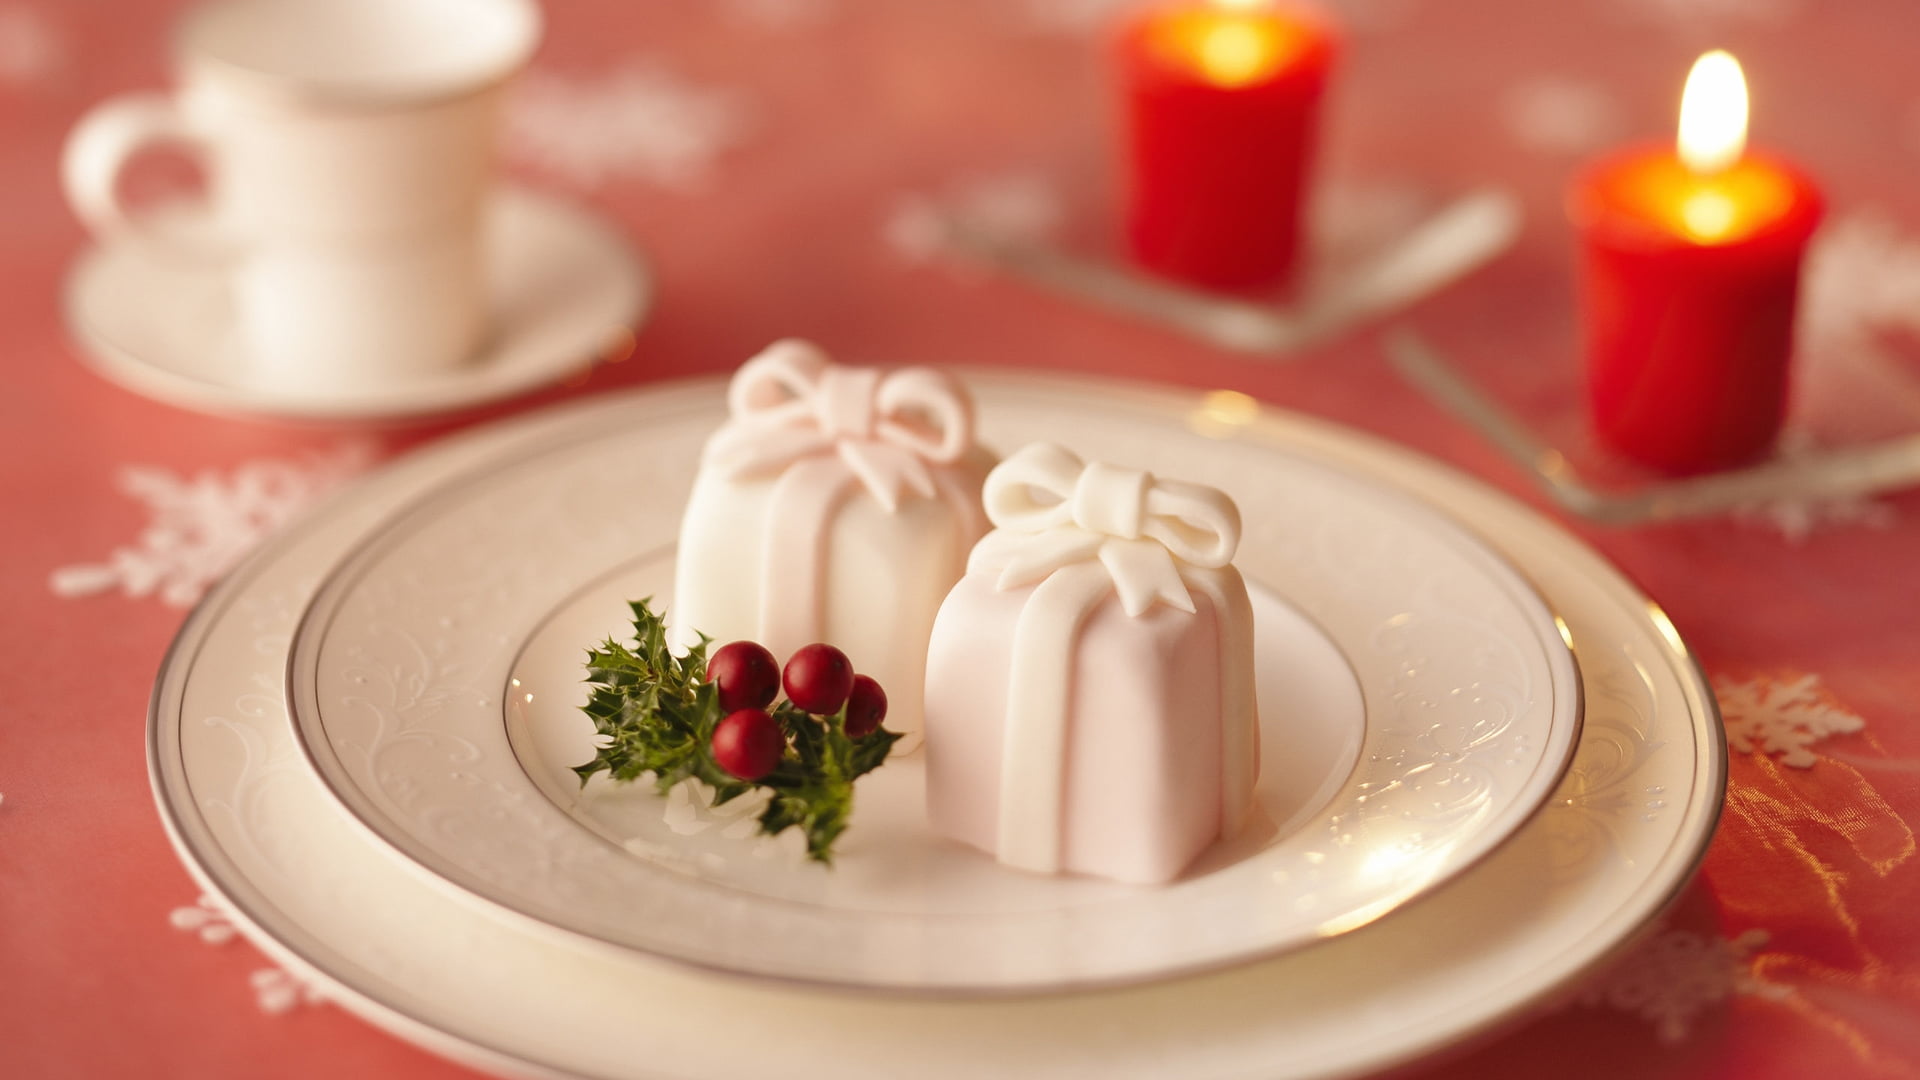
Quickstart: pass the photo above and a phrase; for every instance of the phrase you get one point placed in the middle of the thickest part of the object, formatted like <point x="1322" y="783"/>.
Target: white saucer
<point x="1445" y="706"/>
<point x="1620" y="837"/>
<point x="566" y="288"/>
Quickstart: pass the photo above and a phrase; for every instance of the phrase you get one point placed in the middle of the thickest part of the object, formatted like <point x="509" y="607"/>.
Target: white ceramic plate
<point x="1622" y="834"/>
<point x="470" y="615"/>
<point x="565" y="291"/>
<point x="892" y="865"/>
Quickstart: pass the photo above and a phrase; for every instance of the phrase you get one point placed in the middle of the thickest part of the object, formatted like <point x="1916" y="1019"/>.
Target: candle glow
<point x="1708" y="190"/>
<point x="1229" y="43"/>
<point x="1709" y="214"/>
<point x="1234" y="53"/>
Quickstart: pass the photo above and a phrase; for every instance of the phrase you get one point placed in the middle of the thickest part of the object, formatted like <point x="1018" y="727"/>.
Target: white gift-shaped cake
<point x="837" y="504"/>
<point x="1090" y="681"/>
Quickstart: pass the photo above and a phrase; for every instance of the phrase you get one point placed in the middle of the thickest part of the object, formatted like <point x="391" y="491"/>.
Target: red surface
<point x="1688" y="343"/>
<point x="882" y="97"/>
<point x="1217" y="174"/>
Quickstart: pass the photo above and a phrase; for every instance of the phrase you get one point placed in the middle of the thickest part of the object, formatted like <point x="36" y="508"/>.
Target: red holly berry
<point x="866" y="707"/>
<point x="818" y="679"/>
<point x="746" y="674"/>
<point x="748" y="743"/>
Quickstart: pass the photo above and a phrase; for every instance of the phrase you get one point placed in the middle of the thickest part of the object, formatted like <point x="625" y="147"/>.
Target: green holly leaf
<point x="655" y="713"/>
<point x="870" y="752"/>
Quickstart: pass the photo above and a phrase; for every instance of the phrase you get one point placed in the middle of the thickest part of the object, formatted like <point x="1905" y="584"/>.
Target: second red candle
<point x="1222" y="104"/>
<point x="1690" y="277"/>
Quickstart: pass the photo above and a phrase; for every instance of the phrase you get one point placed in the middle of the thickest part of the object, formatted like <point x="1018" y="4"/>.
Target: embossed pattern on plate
<point x="258" y="831"/>
<point x="400" y="668"/>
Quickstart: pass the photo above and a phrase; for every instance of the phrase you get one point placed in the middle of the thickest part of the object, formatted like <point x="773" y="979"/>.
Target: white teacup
<point x="348" y="147"/>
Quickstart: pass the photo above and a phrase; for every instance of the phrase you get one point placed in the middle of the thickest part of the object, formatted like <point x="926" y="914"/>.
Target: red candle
<point x="1221" y="103"/>
<point x="1690" y="272"/>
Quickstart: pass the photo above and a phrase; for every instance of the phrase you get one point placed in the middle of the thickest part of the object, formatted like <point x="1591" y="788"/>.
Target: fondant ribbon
<point x="1052" y="511"/>
<point x="791" y="402"/>
<point x="818" y="428"/>
<point x="1084" y="531"/>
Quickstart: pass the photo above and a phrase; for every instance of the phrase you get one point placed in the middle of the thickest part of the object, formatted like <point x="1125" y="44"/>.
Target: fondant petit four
<point x="1090" y="684"/>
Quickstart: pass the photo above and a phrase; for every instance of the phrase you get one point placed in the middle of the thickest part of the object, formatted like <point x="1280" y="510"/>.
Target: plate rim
<point x="370" y="997"/>
<point x="1563" y="733"/>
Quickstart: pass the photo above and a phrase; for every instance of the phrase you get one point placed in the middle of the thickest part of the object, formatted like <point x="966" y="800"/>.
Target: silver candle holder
<point x="1840" y="473"/>
<point x="1357" y="274"/>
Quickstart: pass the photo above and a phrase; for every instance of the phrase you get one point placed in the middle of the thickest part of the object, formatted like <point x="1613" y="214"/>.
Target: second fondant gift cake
<point x="1090" y="689"/>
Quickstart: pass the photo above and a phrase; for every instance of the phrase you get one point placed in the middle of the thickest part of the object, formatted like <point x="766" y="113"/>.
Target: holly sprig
<point x="655" y="712"/>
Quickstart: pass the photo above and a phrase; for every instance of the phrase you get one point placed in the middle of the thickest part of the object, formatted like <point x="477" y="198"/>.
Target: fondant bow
<point x="791" y="402"/>
<point x="1052" y="511"/>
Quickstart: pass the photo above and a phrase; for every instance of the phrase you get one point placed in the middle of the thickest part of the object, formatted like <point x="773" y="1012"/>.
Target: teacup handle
<point x="98" y="151"/>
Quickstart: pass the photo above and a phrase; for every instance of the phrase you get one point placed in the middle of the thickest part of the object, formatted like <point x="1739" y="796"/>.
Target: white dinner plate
<point x="439" y="635"/>
<point x="1622" y="834"/>
<point x="565" y="290"/>
<point x="892" y="865"/>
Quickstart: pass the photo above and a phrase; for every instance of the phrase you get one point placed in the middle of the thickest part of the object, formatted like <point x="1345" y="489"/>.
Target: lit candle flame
<point x="1713" y="114"/>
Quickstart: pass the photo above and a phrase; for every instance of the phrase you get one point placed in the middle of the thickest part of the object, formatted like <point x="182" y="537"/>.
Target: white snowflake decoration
<point x="638" y="120"/>
<point x="1562" y="116"/>
<point x="206" y="918"/>
<point x="275" y="990"/>
<point x="1013" y="207"/>
<point x="1781" y="716"/>
<point x="1862" y="279"/>
<point x="278" y="991"/>
<point x="1797" y="519"/>
<point x="1860" y="287"/>
<point x="30" y="50"/>
<point x="1677" y="975"/>
<point x="203" y="525"/>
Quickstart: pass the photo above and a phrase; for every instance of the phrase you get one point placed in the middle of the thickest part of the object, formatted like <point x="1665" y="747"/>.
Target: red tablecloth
<point x="758" y="150"/>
